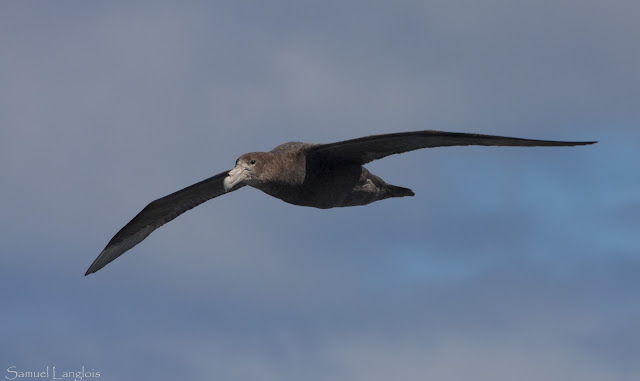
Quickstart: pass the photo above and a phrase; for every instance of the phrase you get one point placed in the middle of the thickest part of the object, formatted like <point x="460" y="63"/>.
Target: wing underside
<point x="366" y="149"/>
<point x="158" y="213"/>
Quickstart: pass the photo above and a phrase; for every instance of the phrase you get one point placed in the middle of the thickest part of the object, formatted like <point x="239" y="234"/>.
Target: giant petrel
<point x="318" y="175"/>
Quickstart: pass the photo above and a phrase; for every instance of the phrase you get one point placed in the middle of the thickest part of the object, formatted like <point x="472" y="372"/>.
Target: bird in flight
<point x="317" y="175"/>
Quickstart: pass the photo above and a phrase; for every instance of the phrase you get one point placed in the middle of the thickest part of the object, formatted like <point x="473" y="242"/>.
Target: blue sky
<point x="510" y="263"/>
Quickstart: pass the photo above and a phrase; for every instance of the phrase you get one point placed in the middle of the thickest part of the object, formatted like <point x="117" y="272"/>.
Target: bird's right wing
<point x="368" y="148"/>
<point x="158" y="213"/>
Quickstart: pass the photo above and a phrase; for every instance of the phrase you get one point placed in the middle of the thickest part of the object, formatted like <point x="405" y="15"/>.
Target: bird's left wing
<point x="366" y="149"/>
<point x="158" y="213"/>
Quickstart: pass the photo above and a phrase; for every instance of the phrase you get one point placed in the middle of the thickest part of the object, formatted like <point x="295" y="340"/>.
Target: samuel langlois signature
<point x="50" y="372"/>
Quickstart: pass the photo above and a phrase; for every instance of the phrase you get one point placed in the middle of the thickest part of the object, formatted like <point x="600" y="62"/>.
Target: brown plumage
<point x="317" y="175"/>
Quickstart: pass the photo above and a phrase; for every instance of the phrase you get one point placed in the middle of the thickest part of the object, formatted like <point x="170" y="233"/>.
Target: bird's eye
<point x="252" y="162"/>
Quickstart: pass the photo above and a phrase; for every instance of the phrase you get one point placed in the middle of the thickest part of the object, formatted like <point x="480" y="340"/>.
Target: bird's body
<point x="316" y="181"/>
<point x="315" y="175"/>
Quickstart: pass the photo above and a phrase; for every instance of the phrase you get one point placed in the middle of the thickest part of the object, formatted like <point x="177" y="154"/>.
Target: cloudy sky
<point x="509" y="264"/>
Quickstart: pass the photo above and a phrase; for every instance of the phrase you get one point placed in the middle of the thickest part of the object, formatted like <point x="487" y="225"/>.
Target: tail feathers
<point x="400" y="191"/>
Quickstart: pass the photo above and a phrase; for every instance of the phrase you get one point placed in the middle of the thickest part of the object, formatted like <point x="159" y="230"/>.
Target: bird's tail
<point x="399" y="191"/>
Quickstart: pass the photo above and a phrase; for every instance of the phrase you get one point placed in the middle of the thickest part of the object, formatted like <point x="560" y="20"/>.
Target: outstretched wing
<point x="366" y="149"/>
<point x="158" y="213"/>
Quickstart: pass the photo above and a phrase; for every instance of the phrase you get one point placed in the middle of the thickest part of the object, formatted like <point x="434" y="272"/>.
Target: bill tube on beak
<point x="236" y="175"/>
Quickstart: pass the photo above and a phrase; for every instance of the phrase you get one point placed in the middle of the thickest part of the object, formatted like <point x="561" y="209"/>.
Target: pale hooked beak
<point x="236" y="175"/>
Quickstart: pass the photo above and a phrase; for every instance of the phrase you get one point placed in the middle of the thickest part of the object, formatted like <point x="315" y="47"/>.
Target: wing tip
<point x="563" y="143"/>
<point x="101" y="261"/>
<point x="93" y="268"/>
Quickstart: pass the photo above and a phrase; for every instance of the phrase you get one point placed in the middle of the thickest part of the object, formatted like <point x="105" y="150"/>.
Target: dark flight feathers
<point x="156" y="214"/>
<point x="369" y="148"/>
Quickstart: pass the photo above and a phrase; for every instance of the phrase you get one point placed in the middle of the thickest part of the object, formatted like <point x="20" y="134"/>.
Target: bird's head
<point x="249" y="170"/>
